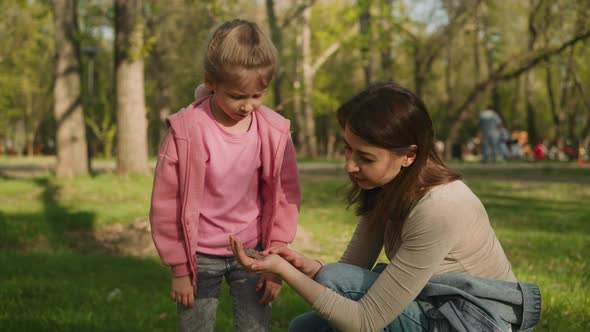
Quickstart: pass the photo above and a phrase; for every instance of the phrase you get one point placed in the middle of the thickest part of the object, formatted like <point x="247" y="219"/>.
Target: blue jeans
<point x="353" y="282"/>
<point x="490" y="146"/>
<point x="249" y="315"/>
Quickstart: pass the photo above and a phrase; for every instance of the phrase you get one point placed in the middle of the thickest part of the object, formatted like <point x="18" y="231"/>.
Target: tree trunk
<point x="164" y="108"/>
<point x="365" y="30"/>
<point x="330" y="142"/>
<point x="552" y="103"/>
<point x="302" y="148"/>
<point x="385" y="36"/>
<point x="308" y="74"/>
<point x="131" y="110"/>
<point x="489" y="53"/>
<point x="277" y="39"/>
<point x="514" y="103"/>
<point x="72" y="158"/>
<point x="528" y="90"/>
<point x="28" y="118"/>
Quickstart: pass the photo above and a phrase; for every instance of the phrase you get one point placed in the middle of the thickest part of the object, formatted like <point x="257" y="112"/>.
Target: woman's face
<point x="371" y="166"/>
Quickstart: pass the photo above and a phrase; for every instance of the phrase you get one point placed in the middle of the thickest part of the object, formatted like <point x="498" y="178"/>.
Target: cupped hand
<point x="268" y="264"/>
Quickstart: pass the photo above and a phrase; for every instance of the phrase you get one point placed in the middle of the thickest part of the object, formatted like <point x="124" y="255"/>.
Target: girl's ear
<point x="210" y="86"/>
<point x="409" y="157"/>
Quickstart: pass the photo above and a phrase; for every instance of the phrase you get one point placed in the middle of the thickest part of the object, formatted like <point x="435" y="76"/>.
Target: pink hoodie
<point x="179" y="182"/>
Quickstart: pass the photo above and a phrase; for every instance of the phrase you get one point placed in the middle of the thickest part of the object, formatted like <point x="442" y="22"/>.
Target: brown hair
<point x="391" y="117"/>
<point x="237" y="45"/>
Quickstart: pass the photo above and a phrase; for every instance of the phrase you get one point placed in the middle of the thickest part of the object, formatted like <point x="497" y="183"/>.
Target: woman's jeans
<point x="353" y="282"/>
<point x="249" y="315"/>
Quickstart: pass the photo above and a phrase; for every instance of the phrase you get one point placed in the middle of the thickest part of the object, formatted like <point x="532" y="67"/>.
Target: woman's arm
<point x="365" y="245"/>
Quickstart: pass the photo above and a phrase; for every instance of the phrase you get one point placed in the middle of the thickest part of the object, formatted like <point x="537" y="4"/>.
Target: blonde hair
<point x="236" y="46"/>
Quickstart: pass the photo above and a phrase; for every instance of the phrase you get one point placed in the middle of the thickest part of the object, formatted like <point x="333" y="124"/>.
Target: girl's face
<point x="371" y="166"/>
<point x="235" y="102"/>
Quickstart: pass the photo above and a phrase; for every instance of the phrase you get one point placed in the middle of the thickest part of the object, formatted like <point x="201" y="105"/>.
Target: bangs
<point x="244" y="76"/>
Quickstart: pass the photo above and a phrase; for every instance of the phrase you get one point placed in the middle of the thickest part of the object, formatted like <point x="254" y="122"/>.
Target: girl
<point x="226" y="166"/>
<point x="427" y="220"/>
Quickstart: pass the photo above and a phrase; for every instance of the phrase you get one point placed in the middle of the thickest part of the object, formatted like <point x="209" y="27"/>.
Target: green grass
<point x="54" y="280"/>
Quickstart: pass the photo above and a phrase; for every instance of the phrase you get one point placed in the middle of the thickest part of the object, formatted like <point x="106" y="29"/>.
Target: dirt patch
<point x="133" y="239"/>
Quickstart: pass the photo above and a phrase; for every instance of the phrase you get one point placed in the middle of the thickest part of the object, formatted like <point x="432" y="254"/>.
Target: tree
<point x="530" y="110"/>
<point x="364" y="7"/>
<point x="130" y="97"/>
<point x="72" y="158"/>
<point x="506" y="71"/>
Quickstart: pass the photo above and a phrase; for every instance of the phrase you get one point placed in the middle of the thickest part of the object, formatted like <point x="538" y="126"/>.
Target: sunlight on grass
<point x="541" y="218"/>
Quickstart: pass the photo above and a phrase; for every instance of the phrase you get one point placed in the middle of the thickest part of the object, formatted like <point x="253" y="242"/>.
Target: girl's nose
<point x="249" y="107"/>
<point x="350" y="166"/>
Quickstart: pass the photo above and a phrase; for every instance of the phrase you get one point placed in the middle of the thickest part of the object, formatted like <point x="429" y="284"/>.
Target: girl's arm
<point x="165" y="211"/>
<point x="289" y="200"/>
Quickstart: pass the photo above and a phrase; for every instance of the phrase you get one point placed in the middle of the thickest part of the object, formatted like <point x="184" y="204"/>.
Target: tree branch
<point x="294" y="13"/>
<point x="327" y="53"/>
<point x="531" y="59"/>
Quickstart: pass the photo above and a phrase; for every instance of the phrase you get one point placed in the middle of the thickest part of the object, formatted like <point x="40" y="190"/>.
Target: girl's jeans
<point x="249" y="315"/>
<point x="353" y="282"/>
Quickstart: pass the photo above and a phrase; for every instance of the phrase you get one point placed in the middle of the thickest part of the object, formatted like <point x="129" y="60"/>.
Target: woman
<point x="427" y="220"/>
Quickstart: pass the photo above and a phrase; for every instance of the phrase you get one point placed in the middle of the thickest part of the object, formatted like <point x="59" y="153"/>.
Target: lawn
<point x="58" y="274"/>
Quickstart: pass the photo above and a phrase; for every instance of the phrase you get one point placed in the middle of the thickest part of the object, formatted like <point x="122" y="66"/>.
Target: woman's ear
<point x="410" y="156"/>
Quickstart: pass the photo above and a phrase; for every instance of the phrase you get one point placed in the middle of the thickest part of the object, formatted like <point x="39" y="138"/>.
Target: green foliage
<point x="26" y="67"/>
<point x="175" y="39"/>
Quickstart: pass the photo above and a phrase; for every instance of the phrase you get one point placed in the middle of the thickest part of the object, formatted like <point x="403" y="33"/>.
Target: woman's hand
<point x="267" y="264"/>
<point x="307" y="266"/>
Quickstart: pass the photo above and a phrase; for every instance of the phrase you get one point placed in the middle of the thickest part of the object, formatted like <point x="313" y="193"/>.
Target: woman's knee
<point x="309" y="321"/>
<point x="329" y="274"/>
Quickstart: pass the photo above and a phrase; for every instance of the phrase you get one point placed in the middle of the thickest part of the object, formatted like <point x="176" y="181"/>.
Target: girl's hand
<point x="271" y="285"/>
<point x="182" y="291"/>
<point x="305" y="265"/>
<point x="267" y="264"/>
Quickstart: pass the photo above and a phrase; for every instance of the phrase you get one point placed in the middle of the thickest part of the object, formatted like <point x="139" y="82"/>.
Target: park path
<point x="39" y="166"/>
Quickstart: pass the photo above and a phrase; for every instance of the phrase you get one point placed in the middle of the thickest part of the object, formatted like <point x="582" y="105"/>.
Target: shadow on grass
<point x="53" y="228"/>
<point x="56" y="276"/>
<point x="73" y="292"/>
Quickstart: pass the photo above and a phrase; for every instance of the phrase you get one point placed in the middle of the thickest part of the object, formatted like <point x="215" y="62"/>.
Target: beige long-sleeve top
<point x="447" y="231"/>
